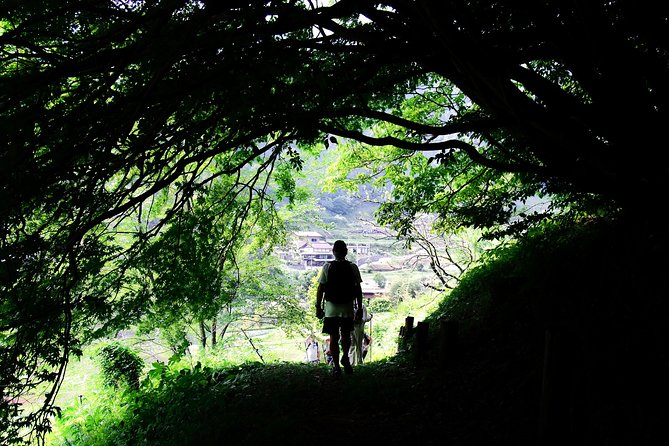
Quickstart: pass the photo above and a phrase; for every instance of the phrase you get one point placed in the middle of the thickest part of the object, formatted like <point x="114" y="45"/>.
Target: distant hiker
<point x="338" y="286"/>
<point x="327" y="352"/>
<point x="366" y="341"/>
<point x="312" y="352"/>
<point x="356" y="355"/>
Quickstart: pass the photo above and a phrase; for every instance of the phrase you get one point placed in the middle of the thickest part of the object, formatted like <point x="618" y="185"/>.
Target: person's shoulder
<point x="323" y="274"/>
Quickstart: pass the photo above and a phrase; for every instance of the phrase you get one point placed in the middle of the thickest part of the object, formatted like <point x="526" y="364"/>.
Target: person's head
<point x="339" y="249"/>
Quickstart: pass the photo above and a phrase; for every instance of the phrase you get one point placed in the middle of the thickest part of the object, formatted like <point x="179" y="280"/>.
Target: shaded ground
<point x="386" y="403"/>
<point x="607" y="369"/>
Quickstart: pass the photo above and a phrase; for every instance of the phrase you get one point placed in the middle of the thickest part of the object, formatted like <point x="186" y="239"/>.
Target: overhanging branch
<point x="450" y="144"/>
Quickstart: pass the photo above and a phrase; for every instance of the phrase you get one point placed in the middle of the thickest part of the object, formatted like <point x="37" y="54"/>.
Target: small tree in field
<point x="120" y="365"/>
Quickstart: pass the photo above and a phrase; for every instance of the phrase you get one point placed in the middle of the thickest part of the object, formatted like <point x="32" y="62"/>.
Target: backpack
<point x="340" y="287"/>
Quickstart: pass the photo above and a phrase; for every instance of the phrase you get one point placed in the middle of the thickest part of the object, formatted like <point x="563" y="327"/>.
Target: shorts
<point x="332" y="325"/>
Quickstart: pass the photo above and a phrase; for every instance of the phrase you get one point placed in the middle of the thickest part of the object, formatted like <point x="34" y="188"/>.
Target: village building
<point x="314" y="250"/>
<point x="310" y="249"/>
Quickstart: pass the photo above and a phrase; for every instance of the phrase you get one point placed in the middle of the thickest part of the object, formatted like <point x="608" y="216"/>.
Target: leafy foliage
<point x="380" y="305"/>
<point x="380" y="280"/>
<point x="120" y="365"/>
<point x="108" y="108"/>
<point x="168" y="402"/>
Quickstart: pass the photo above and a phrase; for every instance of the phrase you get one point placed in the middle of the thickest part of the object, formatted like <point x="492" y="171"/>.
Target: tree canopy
<point x="103" y="105"/>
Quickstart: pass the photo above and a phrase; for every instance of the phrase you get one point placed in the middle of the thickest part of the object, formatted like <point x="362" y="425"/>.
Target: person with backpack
<point x="357" y="337"/>
<point x="312" y="352"/>
<point x="338" y="288"/>
<point x="326" y="351"/>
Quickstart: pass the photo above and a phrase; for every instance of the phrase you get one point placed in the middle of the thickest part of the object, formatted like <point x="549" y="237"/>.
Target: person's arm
<point x="358" y="293"/>
<point x="320" y="293"/>
<point x="358" y="298"/>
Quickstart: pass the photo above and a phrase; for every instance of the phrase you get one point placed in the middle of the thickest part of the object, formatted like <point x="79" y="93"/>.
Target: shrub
<point x="380" y="280"/>
<point x="380" y="305"/>
<point x="120" y="365"/>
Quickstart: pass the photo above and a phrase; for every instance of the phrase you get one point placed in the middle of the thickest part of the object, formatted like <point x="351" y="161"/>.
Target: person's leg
<point x="357" y="343"/>
<point x="334" y="349"/>
<point x="331" y="328"/>
<point x="346" y="346"/>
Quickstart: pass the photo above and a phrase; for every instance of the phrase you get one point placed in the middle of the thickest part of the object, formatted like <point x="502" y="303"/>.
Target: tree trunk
<point x="213" y="333"/>
<point x="224" y="330"/>
<point x="203" y="335"/>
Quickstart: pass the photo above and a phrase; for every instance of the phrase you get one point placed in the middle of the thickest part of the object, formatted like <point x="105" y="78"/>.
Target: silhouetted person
<point x="338" y="286"/>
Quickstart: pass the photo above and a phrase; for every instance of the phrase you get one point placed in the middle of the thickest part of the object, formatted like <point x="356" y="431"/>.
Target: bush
<point x="380" y="305"/>
<point x="405" y="289"/>
<point x="120" y="365"/>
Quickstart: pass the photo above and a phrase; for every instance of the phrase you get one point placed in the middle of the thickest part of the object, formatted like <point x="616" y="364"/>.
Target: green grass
<point x="83" y="374"/>
<point x="81" y="377"/>
<point x="281" y="403"/>
<point x="488" y="393"/>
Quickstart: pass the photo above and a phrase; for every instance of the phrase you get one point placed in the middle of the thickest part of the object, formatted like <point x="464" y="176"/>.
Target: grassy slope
<point x="601" y="289"/>
<point x="384" y="403"/>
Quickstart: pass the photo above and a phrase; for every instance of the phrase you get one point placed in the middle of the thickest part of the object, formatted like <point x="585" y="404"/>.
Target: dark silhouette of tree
<point x="105" y="104"/>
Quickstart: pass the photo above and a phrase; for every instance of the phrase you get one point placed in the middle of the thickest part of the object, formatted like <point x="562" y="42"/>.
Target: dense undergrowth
<point x="598" y="288"/>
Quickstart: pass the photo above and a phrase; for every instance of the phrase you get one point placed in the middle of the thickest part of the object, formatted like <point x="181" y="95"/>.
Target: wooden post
<point x="448" y="341"/>
<point x="406" y="330"/>
<point x="420" y="343"/>
<point x="408" y="326"/>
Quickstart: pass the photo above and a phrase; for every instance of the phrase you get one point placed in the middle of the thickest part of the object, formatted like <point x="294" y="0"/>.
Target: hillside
<point x="560" y="342"/>
<point x="388" y="403"/>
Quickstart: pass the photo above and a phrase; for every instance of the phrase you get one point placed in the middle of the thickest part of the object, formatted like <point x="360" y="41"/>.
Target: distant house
<point x="309" y="237"/>
<point x="313" y="249"/>
<point x="316" y="254"/>
<point x="358" y="248"/>
<point x="371" y="289"/>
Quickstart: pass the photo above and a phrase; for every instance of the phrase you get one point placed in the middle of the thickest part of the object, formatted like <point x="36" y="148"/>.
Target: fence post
<point x="420" y="343"/>
<point x="408" y="326"/>
<point x="406" y="331"/>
